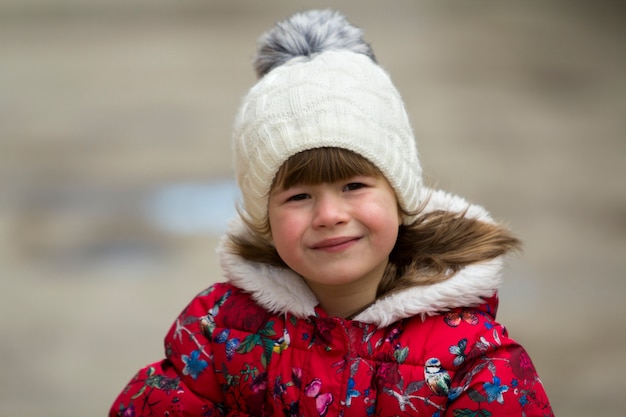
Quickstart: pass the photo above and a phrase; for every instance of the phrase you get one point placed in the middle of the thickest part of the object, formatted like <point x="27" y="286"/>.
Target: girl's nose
<point x="329" y="211"/>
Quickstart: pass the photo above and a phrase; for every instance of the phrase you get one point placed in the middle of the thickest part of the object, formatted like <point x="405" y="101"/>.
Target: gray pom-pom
<point x="305" y="34"/>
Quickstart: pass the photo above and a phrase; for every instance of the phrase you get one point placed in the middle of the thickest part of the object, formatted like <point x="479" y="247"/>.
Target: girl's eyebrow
<point x="281" y="189"/>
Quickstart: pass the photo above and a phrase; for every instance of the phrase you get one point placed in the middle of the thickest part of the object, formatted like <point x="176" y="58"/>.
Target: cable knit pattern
<point x="337" y="99"/>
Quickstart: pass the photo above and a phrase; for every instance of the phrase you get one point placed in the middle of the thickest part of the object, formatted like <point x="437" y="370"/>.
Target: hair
<point x="431" y="249"/>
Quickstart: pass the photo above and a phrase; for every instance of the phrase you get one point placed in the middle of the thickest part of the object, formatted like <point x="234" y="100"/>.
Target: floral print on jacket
<point x="227" y="356"/>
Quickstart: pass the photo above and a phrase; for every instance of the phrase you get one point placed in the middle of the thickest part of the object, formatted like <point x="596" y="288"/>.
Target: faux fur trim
<point x="282" y="290"/>
<point x="466" y="288"/>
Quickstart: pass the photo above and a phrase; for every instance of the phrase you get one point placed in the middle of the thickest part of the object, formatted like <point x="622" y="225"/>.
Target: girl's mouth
<point x="335" y="244"/>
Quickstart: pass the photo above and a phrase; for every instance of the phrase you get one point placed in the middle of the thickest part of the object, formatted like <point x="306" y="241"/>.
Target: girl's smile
<point x="335" y="244"/>
<point x="338" y="235"/>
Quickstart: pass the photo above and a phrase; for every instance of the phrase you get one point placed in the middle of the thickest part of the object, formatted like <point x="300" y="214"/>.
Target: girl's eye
<point x="354" y="186"/>
<point x="298" y="197"/>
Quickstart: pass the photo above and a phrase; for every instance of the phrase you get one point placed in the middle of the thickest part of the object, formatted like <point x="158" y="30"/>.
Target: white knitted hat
<point x="322" y="95"/>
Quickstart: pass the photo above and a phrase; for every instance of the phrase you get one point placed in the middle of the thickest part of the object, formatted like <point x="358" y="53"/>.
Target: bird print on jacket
<point x="227" y="356"/>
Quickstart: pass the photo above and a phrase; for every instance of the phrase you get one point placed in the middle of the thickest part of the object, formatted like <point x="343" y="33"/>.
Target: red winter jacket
<point x="260" y="346"/>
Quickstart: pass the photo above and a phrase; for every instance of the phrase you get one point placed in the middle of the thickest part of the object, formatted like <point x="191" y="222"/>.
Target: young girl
<point x="352" y="290"/>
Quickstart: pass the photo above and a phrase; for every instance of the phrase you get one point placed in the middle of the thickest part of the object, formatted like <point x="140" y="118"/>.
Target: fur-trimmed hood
<point x="282" y="290"/>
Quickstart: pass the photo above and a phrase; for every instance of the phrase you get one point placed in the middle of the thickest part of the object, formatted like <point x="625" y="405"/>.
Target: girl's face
<point x="336" y="233"/>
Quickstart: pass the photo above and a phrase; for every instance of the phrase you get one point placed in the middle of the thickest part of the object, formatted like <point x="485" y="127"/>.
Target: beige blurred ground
<point x="519" y="106"/>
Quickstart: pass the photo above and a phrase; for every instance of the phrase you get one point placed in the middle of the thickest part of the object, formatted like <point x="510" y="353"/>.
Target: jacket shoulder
<point x="486" y="366"/>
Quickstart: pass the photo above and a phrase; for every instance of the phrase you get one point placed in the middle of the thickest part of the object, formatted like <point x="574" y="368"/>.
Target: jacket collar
<point x="281" y="290"/>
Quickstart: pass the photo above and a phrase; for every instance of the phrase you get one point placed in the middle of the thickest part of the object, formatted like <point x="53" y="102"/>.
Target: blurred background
<point x="116" y="177"/>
